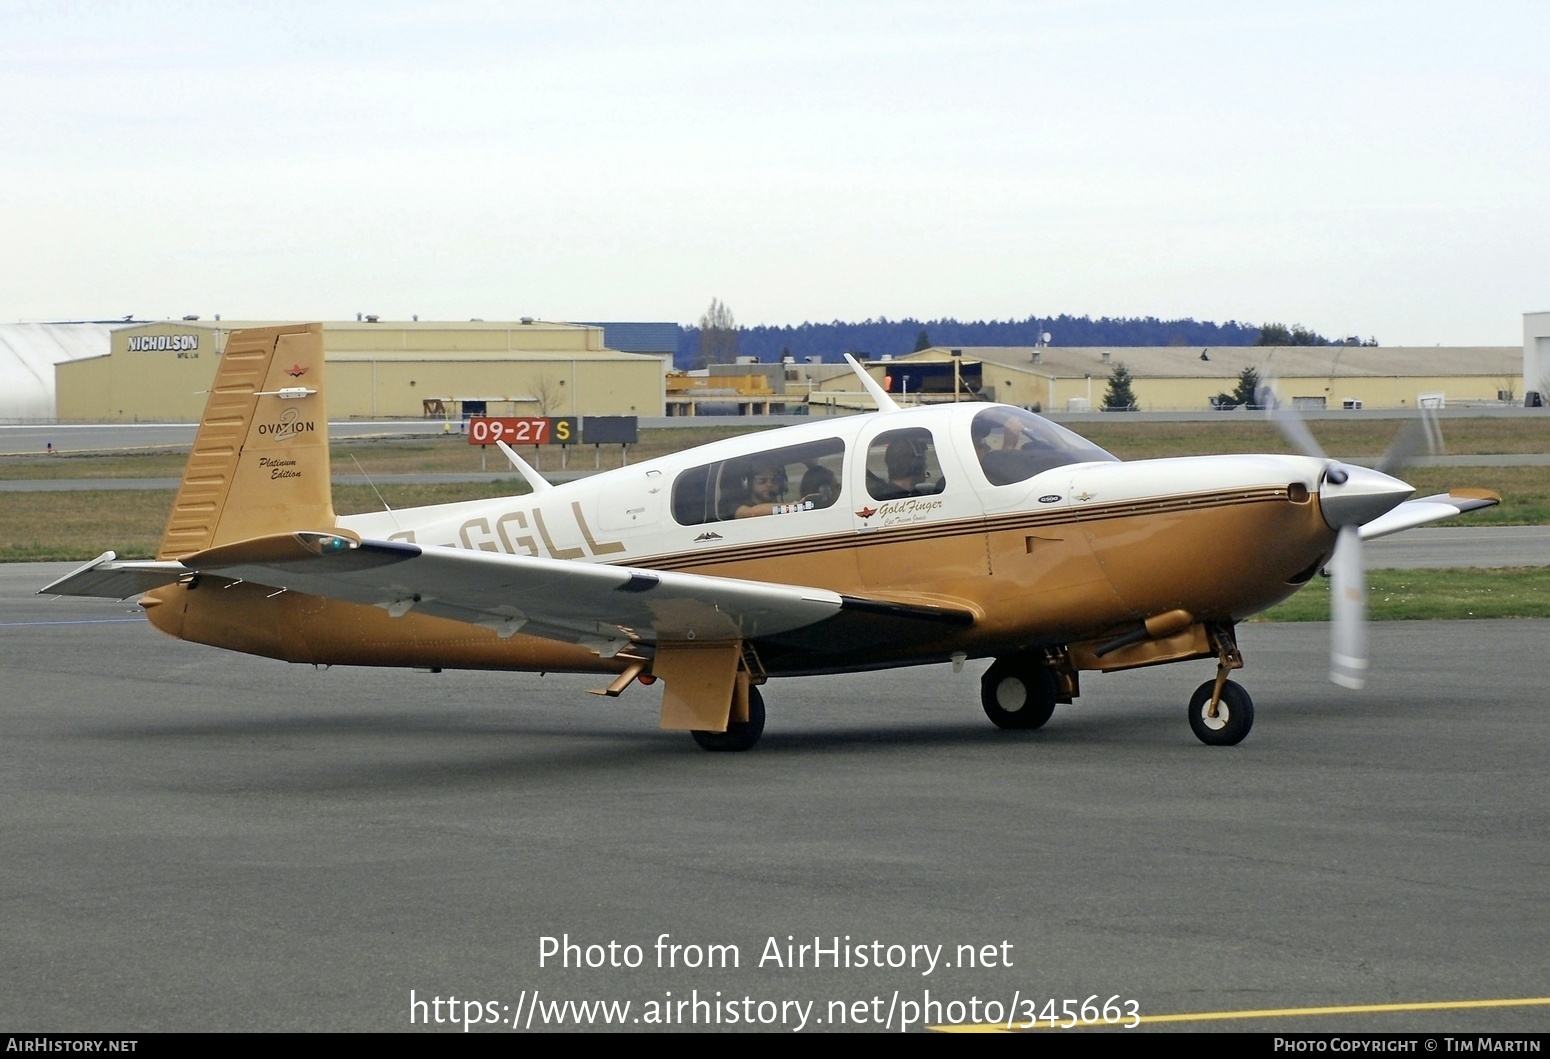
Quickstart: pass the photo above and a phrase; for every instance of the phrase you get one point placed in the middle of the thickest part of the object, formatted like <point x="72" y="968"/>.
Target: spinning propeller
<point x="1350" y="496"/>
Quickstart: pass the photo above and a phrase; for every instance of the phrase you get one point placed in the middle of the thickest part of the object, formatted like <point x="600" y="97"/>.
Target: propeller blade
<point x="1421" y="436"/>
<point x="1348" y="611"/>
<point x="1288" y="422"/>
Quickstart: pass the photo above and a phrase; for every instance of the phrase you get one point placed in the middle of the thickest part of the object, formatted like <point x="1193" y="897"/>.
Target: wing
<point x="603" y="607"/>
<point x="1419" y="512"/>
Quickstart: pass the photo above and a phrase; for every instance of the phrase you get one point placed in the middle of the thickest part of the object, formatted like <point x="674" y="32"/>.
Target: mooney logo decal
<point x="288" y="427"/>
<point x="295" y="371"/>
<point x="867" y="512"/>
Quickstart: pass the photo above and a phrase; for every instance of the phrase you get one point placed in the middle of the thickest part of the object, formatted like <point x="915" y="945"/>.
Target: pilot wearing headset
<point x="766" y="490"/>
<point x="905" y="459"/>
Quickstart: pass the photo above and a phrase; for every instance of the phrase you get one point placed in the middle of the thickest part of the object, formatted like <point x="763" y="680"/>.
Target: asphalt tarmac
<point x="1457" y="546"/>
<point x="191" y="839"/>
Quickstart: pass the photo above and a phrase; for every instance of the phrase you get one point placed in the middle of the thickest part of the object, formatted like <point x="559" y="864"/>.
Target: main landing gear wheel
<point x="1234" y="714"/>
<point x="1018" y="693"/>
<point x="740" y="735"/>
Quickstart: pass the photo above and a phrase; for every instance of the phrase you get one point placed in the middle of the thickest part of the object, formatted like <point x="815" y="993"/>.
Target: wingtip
<point x="1490" y="496"/>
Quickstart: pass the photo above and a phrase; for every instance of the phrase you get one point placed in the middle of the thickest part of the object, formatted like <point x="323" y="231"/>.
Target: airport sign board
<point x="523" y="430"/>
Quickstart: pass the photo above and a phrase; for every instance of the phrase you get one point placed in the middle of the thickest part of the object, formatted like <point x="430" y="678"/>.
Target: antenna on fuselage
<point x="535" y="481"/>
<point x="374" y="489"/>
<point x="879" y="395"/>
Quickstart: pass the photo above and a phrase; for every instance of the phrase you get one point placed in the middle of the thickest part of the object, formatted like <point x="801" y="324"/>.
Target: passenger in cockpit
<point x="819" y="486"/>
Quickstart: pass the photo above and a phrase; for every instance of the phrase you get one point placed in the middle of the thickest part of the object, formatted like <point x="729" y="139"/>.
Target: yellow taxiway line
<point x="1267" y="1013"/>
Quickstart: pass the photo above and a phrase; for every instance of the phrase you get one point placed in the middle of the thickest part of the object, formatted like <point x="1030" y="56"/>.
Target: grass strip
<point x="1126" y="439"/>
<point x="1420" y="595"/>
<point x="1342" y="439"/>
<point x="81" y="525"/>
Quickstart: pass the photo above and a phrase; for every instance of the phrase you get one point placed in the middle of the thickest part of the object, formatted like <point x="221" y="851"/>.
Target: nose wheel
<point x="1229" y="721"/>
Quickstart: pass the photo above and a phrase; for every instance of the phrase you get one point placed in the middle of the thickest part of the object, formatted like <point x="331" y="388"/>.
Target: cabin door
<point x="918" y="521"/>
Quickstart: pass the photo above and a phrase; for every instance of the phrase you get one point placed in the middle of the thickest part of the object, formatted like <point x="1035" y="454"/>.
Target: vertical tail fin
<point x="260" y="459"/>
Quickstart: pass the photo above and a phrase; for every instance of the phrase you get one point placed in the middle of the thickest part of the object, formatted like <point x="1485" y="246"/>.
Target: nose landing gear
<point x="1221" y="712"/>
<point x="1224" y="718"/>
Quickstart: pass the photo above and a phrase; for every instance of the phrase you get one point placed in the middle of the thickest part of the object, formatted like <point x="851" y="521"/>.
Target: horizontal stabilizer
<point x="1419" y="512"/>
<point x="104" y="578"/>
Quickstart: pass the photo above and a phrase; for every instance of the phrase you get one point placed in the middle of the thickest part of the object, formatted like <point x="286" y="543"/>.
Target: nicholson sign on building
<point x="162" y="343"/>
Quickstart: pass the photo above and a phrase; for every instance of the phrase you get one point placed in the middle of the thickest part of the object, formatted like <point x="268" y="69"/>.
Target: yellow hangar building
<point x="376" y="369"/>
<point x="1187" y="378"/>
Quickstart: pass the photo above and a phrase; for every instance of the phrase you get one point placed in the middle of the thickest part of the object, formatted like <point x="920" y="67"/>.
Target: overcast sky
<point x="1373" y="169"/>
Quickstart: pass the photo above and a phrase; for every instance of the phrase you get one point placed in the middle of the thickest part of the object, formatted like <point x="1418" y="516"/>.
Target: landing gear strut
<point x="1018" y="693"/>
<point x="740" y="735"/>
<point x="1221" y="712"/>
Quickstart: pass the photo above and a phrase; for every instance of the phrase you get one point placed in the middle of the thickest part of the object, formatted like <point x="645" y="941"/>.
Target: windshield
<point x="1014" y="445"/>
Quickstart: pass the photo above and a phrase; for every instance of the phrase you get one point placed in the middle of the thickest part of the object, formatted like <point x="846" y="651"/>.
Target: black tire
<point x="1235" y="714"/>
<point x="740" y="735"/>
<point x="1018" y="693"/>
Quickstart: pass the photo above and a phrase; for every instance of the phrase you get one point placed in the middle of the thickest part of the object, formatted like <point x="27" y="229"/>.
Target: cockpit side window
<point x="783" y="481"/>
<point x="1014" y="445"/>
<point x="903" y="463"/>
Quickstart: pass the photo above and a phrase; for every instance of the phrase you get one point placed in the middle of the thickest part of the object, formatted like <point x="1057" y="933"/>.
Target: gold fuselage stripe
<point x="999" y="523"/>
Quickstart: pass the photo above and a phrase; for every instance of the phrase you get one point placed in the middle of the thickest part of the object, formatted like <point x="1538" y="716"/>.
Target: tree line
<point x="718" y="339"/>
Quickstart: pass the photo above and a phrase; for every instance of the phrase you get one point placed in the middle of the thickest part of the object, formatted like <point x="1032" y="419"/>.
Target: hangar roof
<point x="28" y="353"/>
<point x="437" y="339"/>
<point x="1287" y="362"/>
<point x="439" y="355"/>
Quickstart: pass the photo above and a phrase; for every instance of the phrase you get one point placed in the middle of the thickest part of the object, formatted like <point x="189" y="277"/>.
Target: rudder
<point x="259" y="464"/>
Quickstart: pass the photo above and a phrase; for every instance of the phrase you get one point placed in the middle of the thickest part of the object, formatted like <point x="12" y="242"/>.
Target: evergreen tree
<point x="1119" y="397"/>
<point x="922" y="341"/>
<point x="1274" y="335"/>
<point x="1281" y="335"/>
<point x="1247" y="391"/>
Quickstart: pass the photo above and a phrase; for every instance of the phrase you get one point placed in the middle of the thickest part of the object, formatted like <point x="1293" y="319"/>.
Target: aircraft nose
<point x="1350" y="496"/>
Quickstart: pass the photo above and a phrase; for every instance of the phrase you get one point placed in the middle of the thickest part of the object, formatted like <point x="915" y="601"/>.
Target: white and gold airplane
<point x="903" y="537"/>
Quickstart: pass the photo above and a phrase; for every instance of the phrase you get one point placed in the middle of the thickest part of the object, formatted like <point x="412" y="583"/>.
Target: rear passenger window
<point x="783" y="481"/>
